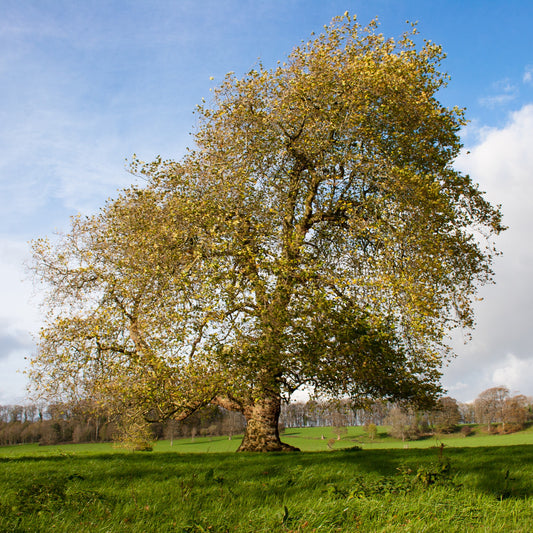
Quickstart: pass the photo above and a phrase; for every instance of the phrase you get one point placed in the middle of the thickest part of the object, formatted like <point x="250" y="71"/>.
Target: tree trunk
<point x="261" y="434"/>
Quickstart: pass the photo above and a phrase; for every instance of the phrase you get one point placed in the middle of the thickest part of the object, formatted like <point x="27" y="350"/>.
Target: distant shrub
<point x="492" y="429"/>
<point x="466" y="431"/>
<point x="445" y="430"/>
<point x="371" y="431"/>
<point x="505" y="429"/>
<point x="403" y="424"/>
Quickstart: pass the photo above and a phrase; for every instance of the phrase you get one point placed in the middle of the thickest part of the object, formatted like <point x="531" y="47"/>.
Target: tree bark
<point x="262" y="433"/>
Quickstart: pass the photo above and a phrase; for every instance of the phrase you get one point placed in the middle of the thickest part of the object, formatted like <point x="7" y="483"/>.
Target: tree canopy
<point x="317" y="235"/>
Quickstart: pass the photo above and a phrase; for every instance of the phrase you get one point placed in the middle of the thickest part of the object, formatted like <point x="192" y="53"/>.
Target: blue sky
<point x="85" y="85"/>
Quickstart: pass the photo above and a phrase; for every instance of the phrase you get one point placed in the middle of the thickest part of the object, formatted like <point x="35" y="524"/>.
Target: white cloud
<point x="18" y="317"/>
<point x="13" y="388"/>
<point x="514" y="373"/>
<point x="15" y="289"/>
<point x="502" y="162"/>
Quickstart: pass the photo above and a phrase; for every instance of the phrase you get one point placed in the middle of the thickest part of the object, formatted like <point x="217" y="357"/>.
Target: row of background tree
<point x="81" y="422"/>
<point x="494" y="407"/>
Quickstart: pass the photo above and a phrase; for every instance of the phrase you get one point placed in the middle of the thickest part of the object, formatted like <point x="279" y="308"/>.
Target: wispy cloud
<point x="16" y="312"/>
<point x="79" y="95"/>
<point x="503" y="93"/>
<point x="528" y="75"/>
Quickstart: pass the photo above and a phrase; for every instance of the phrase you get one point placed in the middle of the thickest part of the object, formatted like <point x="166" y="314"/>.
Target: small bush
<point x="371" y="431"/>
<point x="506" y="429"/>
<point x="406" y="480"/>
<point x="466" y="431"/>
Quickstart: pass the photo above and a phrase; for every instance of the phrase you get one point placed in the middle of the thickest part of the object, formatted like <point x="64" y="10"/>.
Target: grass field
<point x="98" y="488"/>
<point x="307" y="439"/>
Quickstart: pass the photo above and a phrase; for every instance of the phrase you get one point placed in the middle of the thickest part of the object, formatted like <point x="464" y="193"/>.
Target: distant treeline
<point x="495" y="408"/>
<point x="84" y="422"/>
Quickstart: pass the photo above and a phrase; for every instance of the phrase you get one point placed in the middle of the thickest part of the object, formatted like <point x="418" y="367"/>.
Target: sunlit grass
<point x="97" y="487"/>
<point x="487" y="489"/>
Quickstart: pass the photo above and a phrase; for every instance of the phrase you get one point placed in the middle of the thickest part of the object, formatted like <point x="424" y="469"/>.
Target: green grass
<point x="307" y="439"/>
<point x="98" y="488"/>
<point x="339" y="491"/>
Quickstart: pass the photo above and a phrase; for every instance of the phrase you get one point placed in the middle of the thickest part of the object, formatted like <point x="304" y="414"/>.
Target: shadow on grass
<point x="504" y="472"/>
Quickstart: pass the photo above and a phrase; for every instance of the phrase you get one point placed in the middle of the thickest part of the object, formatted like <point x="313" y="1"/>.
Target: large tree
<point x="316" y="235"/>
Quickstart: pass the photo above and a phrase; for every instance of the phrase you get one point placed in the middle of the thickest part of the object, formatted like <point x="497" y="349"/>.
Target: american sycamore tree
<point x="316" y="235"/>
